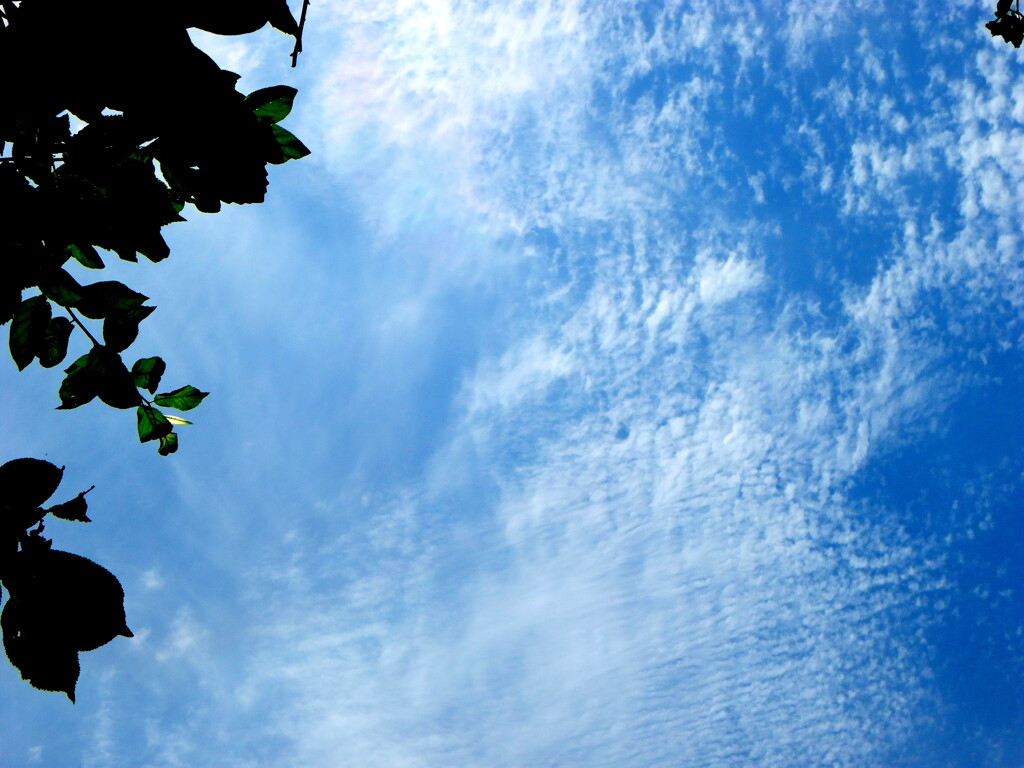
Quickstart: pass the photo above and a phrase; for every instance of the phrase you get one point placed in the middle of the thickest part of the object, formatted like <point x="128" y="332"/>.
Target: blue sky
<point x="618" y="384"/>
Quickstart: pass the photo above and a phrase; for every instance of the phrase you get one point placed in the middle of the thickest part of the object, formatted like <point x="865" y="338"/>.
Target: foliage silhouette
<point x="158" y="126"/>
<point x="1009" y="22"/>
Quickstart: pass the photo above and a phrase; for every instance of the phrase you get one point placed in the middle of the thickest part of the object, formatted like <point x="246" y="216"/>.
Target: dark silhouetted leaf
<point x="152" y="424"/>
<point x="55" y="342"/>
<point x="43" y="659"/>
<point x="184" y="399"/>
<point x="28" y="482"/>
<point x="116" y="386"/>
<point x="147" y="373"/>
<point x="291" y="147"/>
<point x="28" y="330"/>
<point x="74" y="510"/>
<point x="122" y="328"/>
<point x="80" y="385"/>
<point x="104" y="298"/>
<point x="67" y="597"/>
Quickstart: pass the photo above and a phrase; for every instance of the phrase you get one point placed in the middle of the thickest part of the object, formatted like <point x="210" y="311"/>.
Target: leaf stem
<point x="80" y="324"/>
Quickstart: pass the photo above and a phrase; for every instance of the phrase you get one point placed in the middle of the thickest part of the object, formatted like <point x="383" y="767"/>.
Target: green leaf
<point x="291" y="147"/>
<point x="177" y="420"/>
<point x="28" y="330"/>
<point x="168" y="444"/>
<point x="100" y="372"/>
<point x="184" y="399"/>
<point x="85" y="255"/>
<point x="271" y="105"/>
<point x="147" y="372"/>
<point x="122" y="328"/>
<point x="80" y="385"/>
<point x="55" y="342"/>
<point x="99" y="300"/>
<point x="152" y="424"/>
<point x="61" y="288"/>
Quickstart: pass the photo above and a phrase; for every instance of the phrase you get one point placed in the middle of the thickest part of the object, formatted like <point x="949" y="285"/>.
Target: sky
<point x="616" y="384"/>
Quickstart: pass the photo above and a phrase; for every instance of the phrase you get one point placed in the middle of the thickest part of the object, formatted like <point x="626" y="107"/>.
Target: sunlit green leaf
<point x="168" y="444"/>
<point x="85" y="255"/>
<point x="291" y="147"/>
<point x="147" y="372"/>
<point x="184" y="399"/>
<point x="271" y="105"/>
<point x="177" y="420"/>
<point x="152" y="424"/>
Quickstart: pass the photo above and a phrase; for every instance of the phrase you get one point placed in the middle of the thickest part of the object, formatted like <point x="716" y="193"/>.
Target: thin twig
<point x="79" y="323"/>
<point x="298" y="35"/>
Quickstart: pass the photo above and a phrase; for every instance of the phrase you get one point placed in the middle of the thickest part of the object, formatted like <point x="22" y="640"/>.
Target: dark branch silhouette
<point x="160" y="126"/>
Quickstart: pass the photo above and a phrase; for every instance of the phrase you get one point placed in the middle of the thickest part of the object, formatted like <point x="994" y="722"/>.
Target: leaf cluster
<point x="58" y="603"/>
<point x="160" y="127"/>
<point x="1008" y="24"/>
<point x="112" y="123"/>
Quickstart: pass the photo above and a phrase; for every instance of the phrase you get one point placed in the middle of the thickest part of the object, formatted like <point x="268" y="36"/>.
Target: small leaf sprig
<point x="58" y="604"/>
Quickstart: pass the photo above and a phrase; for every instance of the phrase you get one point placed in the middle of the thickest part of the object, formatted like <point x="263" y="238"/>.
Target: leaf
<point x="152" y="424"/>
<point x="74" y="510"/>
<point x="79" y="385"/>
<point x="271" y="105"/>
<point x="291" y="147"/>
<point x="147" y="372"/>
<point x="42" y="659"/>
<point x="168" y="444"/>
<point x="122" y="328"/>
<point x="27" y="483"/>
<point x="184" y="399"/>
<point x="85" y="255"/>
<point x="28" y="330"/>
<point x="61" y="288"/>
<point x="116" y="386"/>
<point x="98" y="373"/>
<point x="67" y="598"/>
<point x="55" y="342"/>
<point x="177" y="421"/>
<point x="101" y="299"/>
